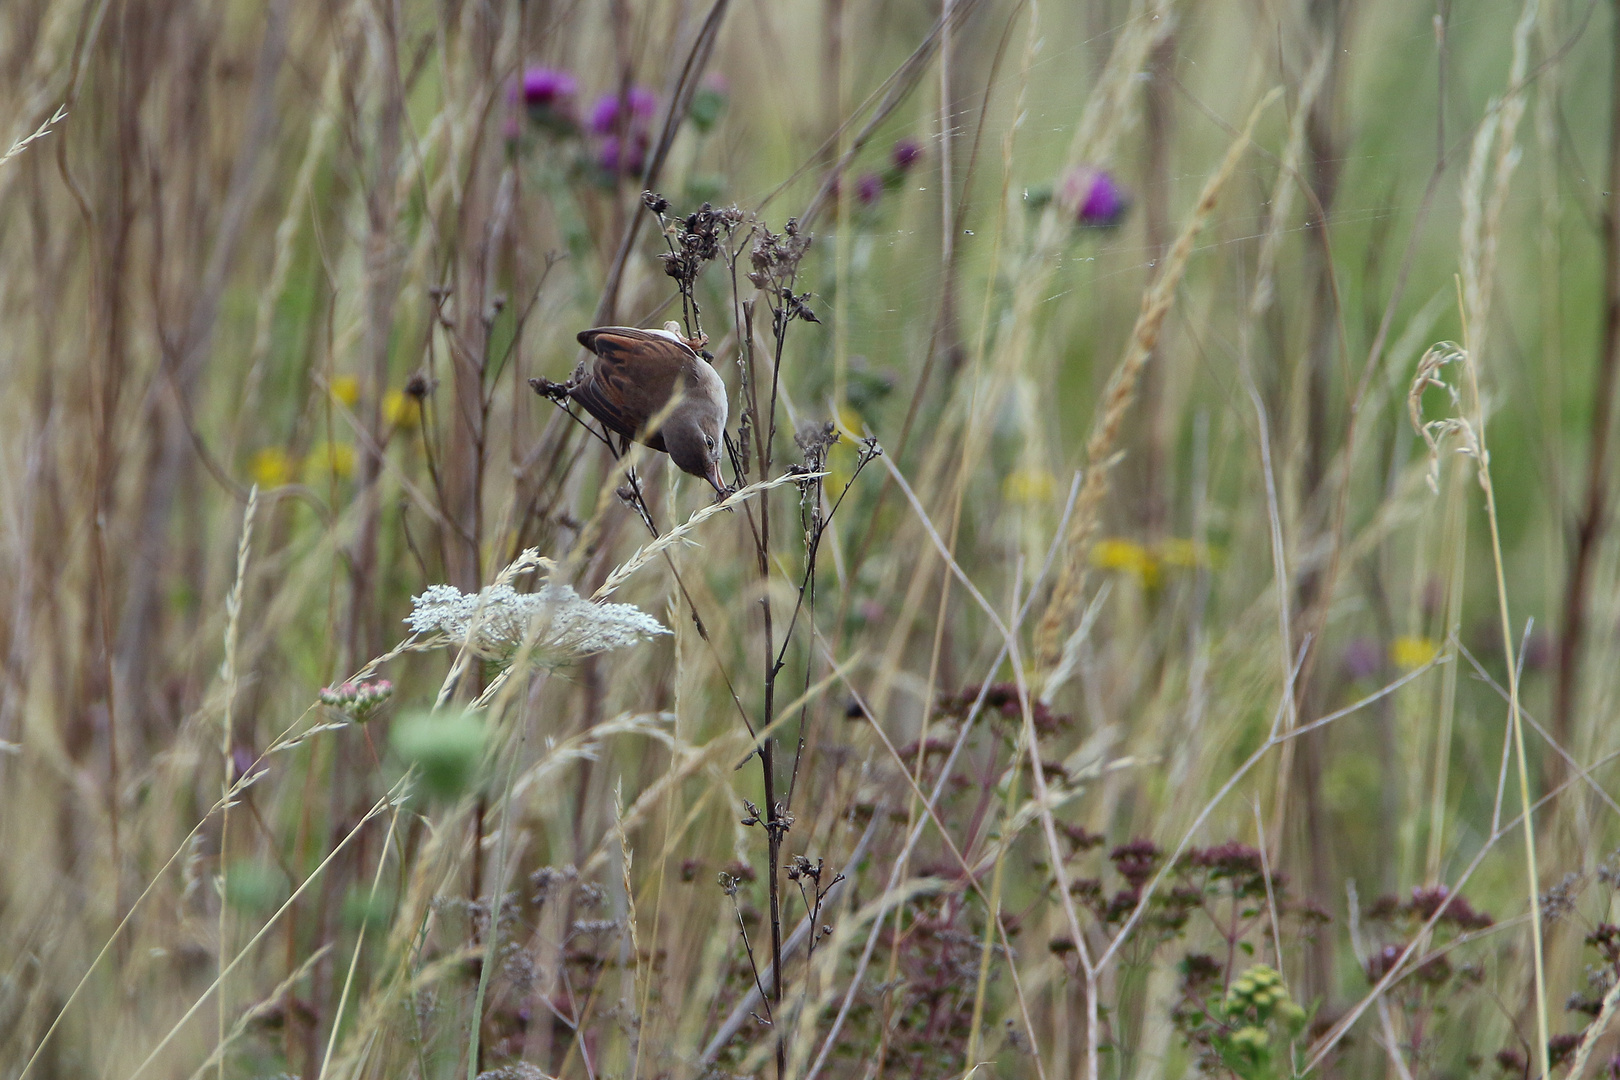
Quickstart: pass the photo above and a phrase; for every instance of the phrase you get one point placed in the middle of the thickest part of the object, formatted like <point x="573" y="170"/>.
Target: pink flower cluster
<point x="615" y="132"/>
<point x="358" y="699"/>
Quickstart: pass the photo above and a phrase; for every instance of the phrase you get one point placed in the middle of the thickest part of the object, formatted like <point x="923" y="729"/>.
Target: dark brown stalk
<point x="1313" y="588"/>
<point x="767" y="749"/>
<point x="106" y="379"/>
<point x="775" y="259"/>
<point x="480" y="226"/>
<point x="1154" y="508"/>
<point x="832" y="59"/>
<point x="1594" y="516"/>
<point x="382" y="270"/>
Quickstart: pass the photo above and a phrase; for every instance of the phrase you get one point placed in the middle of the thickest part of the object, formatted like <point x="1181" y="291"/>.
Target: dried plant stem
<point x="843" y="238"/>
<point x="233" y="622"/>
<point x="633" y="970"/>
<point x="1468" y="429"/>
<point x="801" y="934"/>
<point x="987" y="940"/>
<point x="1532" y="871"/>
<point x="359" y="941"/>
<point x="1116" y="401"/>
<point x="1595" y="513"/>
<point x="1455" y="530"/>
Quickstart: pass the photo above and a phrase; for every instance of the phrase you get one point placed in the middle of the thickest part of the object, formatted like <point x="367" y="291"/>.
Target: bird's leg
<point x="631" y="494"/>
<point x="557" y="394"/>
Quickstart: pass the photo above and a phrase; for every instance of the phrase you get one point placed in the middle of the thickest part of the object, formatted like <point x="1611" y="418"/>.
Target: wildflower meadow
<point x="1154" y="616"/>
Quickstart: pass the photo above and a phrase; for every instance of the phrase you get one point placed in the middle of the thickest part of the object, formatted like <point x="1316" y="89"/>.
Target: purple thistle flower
<point x="868" y="187"/>
<point x="1097" y="199"/>
<point x="605" y="113"/>
<point x="643" y="102"/>
<point x="547" y="86"/>
<point x="906" y="153"/>
<point x="630" y="162"/>
<point x="548" y="94"/>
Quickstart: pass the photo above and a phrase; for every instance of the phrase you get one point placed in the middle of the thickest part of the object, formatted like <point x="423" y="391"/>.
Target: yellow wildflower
<point x="329" y="460"/>
<point x="272" y="467"/>
<point x="346" y="388"/>
<point x="1030" y="486"/>
<point x="1411" y="652"/>
<point x="1113" y="553"/>
<point x="401" y="410"/>
<point x="1183" y="554"/>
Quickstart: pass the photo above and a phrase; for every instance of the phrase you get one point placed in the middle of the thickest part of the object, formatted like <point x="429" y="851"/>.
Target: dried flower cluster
<point x="775" y="258"/>
<point x="696" y="239"/>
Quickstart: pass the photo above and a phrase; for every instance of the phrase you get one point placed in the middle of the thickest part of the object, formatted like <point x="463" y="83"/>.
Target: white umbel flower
<point x="565" y="624"/>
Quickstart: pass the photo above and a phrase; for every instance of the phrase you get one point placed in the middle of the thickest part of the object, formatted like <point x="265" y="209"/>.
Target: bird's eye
<point x="710" y="440"/>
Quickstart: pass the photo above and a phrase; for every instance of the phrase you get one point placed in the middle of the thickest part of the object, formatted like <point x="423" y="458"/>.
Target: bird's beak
<point x="713" y="477"/>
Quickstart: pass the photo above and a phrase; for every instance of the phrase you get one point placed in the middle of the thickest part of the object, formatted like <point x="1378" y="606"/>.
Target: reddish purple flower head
<point x="868" y="187"/>
<point x="906" y="153"/>
<point x="547" y="86"/>
<point x="1098" y="200"/>
<point x="612" y="156"/>
<point x="606" y="112"/>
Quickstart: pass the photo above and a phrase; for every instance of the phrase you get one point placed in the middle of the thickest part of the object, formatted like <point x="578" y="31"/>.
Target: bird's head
<point x="694" y="434"/>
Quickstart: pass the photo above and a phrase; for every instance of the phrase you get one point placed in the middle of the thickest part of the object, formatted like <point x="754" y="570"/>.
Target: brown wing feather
<point x="633" y="377"/>
<point x="600" y="402"/>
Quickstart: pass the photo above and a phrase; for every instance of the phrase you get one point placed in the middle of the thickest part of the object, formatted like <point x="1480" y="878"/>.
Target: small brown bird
<point x="636" y="374"/>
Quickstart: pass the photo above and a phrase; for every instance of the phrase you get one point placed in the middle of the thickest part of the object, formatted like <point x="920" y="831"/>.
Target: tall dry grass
<point x="1140" y="684"/>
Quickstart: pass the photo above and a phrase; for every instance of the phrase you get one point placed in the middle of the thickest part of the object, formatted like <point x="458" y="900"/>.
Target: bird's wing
<point x="635" y="374"/>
